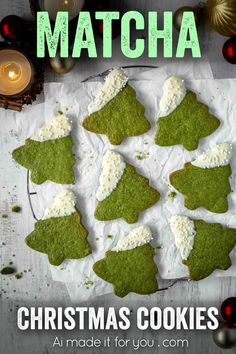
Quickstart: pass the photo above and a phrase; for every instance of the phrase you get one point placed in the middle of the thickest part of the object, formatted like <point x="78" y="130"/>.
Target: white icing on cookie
<point x="137" y="237"/>
<point x="174" y="91"/>
<point x="113" y="167"/>
<point x="184" y="231"/>
<point x="59" y="127"/>
<point x="63" y="205"/>
<point x="217" y="156"/>
<point x="114" y="83"/>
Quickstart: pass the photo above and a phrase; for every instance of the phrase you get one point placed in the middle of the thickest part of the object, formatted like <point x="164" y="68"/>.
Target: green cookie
<point x="129" y="271"/>
<point x="203" y="187"/>
<point x="131" y="196"/>
<point x="212" y="246"/>
<point x="61" y="238"/>
<point x="187" y="124"/>
<point x="48" y="160"/>
<point x="121" y="117"/>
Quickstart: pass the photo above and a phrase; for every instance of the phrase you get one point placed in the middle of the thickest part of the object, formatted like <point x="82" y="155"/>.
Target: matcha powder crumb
<point x="88" y="283"/>
<point x="142" y="155"/>
<point x="18" y="276"/>
<point x="16" y="209"/>
<point x="172" y="195"/>
<point x="7" y="271"/>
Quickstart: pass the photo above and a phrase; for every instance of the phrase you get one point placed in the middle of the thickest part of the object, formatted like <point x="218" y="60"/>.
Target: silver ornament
<point x="62" y="65"/>
<point x="225" y="336"/>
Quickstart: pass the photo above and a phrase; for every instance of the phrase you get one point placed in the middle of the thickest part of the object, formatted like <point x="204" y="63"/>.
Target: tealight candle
<point x="72" y="6"/>
<point x="16" y="72"/>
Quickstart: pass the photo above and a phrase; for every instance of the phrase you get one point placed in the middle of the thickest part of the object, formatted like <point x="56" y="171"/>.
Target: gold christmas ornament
<point x="225" y="336"/>
<point x="62" y="65"/>
<point x="222" y="16"/>
<point x="178" y="16"/>
<point x="198" y="10"/>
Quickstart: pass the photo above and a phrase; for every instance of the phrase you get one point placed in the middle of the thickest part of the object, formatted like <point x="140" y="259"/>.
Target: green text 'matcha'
<point x="58" y="38"/>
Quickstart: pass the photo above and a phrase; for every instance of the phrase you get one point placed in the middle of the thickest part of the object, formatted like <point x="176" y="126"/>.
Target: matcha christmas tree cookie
<point x="184" y="120"/>
<point x="115" y="111"/>
<point x="60" y="234"/>
<point x="48" y="154"/>
<point x="205" y="181"/>
<point x="134" y="255"/>
<point x="203" y="247"/>
<point x="122" y="192"/>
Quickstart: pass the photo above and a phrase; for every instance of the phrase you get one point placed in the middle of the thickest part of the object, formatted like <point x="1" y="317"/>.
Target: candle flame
<point x="12" y="71"/>
<point x="12" y="75"/>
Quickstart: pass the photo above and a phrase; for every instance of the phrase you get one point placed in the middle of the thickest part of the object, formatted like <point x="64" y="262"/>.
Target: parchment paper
<point x="157" y="164"/>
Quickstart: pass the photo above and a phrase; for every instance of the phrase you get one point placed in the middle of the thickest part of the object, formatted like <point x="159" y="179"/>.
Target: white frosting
<point x="174" y="91"/>
<point x="219" y="155"/>
<point x="114" y="83"/>
<point x="113" y="167"/>
<point x="63" y="205"/>
<point x="59" y="127"/>
<point x="184" y="231"/>
<point x="137" y="237"/>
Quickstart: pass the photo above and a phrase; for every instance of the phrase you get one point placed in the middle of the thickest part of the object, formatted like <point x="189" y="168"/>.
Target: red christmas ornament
<point x="12" y="28"/>
<point x="100" y="28"/>
<point x="228" y="310"/>
<point x="116" y="28"/>
<point x="229" y="50"/>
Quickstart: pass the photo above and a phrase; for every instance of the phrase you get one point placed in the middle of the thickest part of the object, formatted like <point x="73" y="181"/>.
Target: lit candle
<point x="16" y="72"/>
<point x="72" y="6"/>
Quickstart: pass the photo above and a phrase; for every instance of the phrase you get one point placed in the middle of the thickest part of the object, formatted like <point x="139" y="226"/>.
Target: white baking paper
<point x="157" y="164"/>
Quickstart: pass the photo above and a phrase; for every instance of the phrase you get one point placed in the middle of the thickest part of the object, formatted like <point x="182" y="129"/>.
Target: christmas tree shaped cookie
<point x="184" y="120"/>
<point x="205" y="181"/>
<point x="134" y="255"/>
<point x="204" y="247"/>
<point x="60" y="234"/>
<point x="122" y="192"/>
<point x="48" y="154"/>
<point x="115" y="111"/>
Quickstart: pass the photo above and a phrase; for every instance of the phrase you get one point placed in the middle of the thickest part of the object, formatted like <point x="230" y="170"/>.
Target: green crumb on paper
<point x="159" y="247"/>
<point x="60" y="112"/>
<point x="132" y="195"/>
<point x="142" y="155"/>
<point x="203" y="187"/>
<point x="60" y="238"/>
<point x="109" y="236"/>
<point x="122" y="117"/>
<point x="51" y="160"/>
<point x="187" y="124"/>
<point x="88" y="283"/>
<point x="16" y="209"/>
<point x="4" y="216"/>
<point x="138" y="273"/>
<point x="172" y="195"/>
<point x="212" y="245"/>
<point x="7" y="271"/>
<point x="97" y="238"/>
<point x="19" y="276"/>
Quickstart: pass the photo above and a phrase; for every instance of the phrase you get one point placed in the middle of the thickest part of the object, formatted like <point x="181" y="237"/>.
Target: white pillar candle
<point x="72" y="6"/>
<point x="16" y="72"/>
